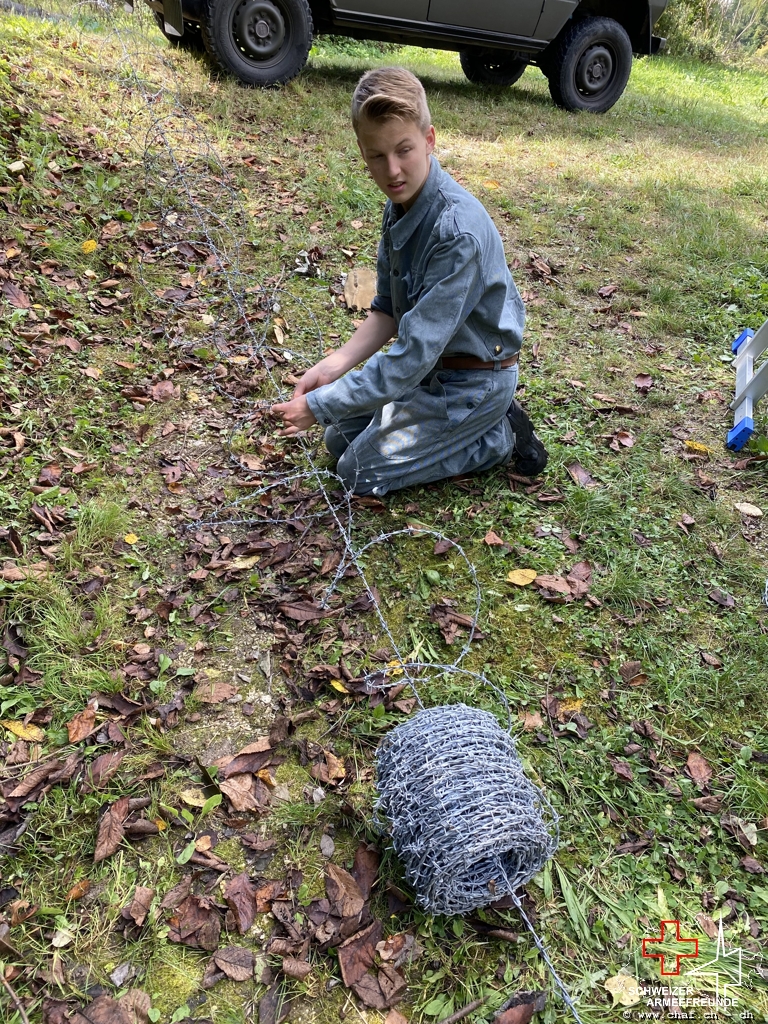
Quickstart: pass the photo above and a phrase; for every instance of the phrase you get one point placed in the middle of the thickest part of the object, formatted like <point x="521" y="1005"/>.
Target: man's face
<point x="397" y="155"/>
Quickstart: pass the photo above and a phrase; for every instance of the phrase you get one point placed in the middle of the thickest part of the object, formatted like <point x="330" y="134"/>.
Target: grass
<point x="665" y="197"/>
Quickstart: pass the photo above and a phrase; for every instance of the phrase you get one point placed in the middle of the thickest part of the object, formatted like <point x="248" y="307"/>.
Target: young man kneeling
<point x="440" y="401"/>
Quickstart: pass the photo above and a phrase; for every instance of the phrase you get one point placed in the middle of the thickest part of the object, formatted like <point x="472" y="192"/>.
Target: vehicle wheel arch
<point x="634" y="16"/>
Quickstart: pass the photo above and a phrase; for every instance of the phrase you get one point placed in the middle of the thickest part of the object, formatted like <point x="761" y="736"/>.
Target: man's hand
<point x="296" y="415"/>
<point x="372" y="335"/>
<point x="324" y="372"/>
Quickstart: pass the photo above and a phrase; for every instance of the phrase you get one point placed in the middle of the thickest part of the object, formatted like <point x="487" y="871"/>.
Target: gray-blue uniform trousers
<point x="402" y="419"/>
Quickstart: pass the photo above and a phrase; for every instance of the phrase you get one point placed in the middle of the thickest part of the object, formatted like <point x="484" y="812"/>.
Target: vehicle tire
<point x="589" y="65"/>
<point x="493" y="67"/>
<point x="261" y="42"/>
<point x="192" y="40"/>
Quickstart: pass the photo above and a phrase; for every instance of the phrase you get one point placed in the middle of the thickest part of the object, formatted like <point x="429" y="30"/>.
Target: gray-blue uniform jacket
<point x="442" y="275"/>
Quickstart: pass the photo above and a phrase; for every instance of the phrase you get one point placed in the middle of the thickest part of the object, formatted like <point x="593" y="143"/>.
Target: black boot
<point x="530" y="455"/>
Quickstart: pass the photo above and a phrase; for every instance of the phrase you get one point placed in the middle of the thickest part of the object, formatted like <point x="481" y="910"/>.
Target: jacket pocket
<point x="464" y="391"/>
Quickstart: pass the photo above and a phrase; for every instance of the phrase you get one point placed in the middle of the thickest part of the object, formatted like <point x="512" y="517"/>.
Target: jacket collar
<point x="401" y="228"/>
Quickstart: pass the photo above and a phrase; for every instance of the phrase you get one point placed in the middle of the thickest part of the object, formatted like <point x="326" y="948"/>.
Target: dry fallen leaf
<point x="699" y="448"/>
<point x="343" y="892"/>
<point x="240" y="895"/>
<point x="395" y="1017"/>
<point x="357" y="954"/>
<point x="522" y="1011"/>
<point x="623" y="770"/>
<point x="643" y="382"/>
<point x="522" y="577"/>
<point x="163" y="391"/>
<point x="247" y="562"/>
<point x="298" y="969"/>
<point x="82" y="724"/>
<point x="11" y="573"/>
<point x="624" y="989"/>
<point x="193" y="797"/>
<point x="555" y="584"/>
<point x="531" y="722"/>
<point x="79" y="889"/>
<point x="492" y="539"/>
<point x="15" y="295"/>
<point x="360" y="288"/>
<point x="607" y="291"/>
<point x="698" y="769"/>
<point x="29" y="733"/>
<point x="245" y="792"/>
<point x="581" y="476"/>
<point x="751" y="865"/>
<point x="632" y="672"/>
<point x="111" y="830"/>
<point x="622" y="439"/>
<point x="365" y="868"/>
<point x="709" y="804"/>
<point x="210" y="691"/>
<point x="752" y="511"/>
<point x="711" y="659"/>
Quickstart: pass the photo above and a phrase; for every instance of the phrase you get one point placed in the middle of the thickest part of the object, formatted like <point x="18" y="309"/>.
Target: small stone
<point x="16" y="167"/>
<point x="318" y="795"/>
<point x="121" y="974"/>
<point x="327" y="846"/>
<point x="749" y="510"/>
<point x="281" y="793"/>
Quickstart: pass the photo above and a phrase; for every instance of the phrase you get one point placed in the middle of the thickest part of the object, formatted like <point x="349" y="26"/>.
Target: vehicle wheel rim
<point x="258" y="29"/>
<point x="595" y="70"/>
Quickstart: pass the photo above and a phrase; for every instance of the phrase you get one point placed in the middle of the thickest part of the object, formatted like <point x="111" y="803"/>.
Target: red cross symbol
<point x="660" y="955"/>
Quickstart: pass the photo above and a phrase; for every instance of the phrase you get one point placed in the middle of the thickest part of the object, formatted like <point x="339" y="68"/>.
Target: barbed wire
<point x="201" y="218"/>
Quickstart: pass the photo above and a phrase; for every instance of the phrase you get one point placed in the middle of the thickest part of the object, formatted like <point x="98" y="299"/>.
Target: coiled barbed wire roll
<point x="466" y="822"/>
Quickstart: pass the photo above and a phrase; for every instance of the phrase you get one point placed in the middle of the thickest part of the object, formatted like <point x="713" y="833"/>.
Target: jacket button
<point x="497" y="350"/>
<point x="327" y="422"/>
<point x="397" y="309"/>
<point x="470" y="405"/>
<point x="396" y="273"/>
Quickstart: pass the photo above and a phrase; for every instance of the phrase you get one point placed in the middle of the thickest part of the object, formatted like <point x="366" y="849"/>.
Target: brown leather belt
<point x="473" y="363"/>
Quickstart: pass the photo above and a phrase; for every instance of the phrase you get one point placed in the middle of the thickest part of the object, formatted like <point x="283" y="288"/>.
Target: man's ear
<point x="430" y="139"/>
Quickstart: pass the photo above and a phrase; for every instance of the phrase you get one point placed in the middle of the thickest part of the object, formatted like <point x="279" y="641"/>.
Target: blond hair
<point x="386" y="94"/>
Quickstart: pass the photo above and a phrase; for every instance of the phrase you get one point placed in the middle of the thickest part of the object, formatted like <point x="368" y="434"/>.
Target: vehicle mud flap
<point x="174" y="19"/>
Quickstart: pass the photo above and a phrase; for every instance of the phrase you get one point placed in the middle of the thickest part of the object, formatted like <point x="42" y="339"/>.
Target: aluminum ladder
<point x="750" y="385"/>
